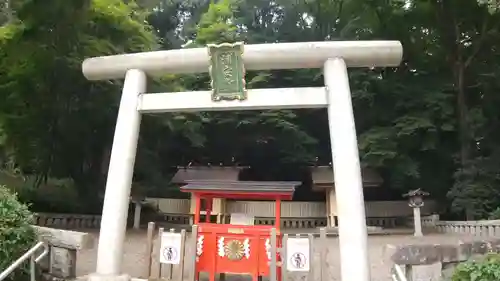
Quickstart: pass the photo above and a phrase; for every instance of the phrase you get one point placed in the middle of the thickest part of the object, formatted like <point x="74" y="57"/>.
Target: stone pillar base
<point x="63" y="262"/>
<point x="102" y="277"/>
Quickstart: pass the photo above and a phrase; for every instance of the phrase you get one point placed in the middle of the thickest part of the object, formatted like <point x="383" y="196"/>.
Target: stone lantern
<point x="416" y="201"/>
<point x="138" y="201"/>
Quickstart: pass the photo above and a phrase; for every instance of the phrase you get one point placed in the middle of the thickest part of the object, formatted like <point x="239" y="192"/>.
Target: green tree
<point x="16" y="233"/>
<point x="430" y="123"/>
<point x="56" y="123"/>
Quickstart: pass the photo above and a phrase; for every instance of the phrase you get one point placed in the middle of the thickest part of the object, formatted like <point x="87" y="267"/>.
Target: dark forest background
<point x="432" y="123"/>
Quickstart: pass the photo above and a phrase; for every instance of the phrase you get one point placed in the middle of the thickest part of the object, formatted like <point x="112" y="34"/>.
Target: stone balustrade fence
<point x="483" y="228"/>
<point x="294" y="214"/>
<point x="478" y="228"/>
<point x="293" y="209"/>
<point x="431" y="223"/>
<point x="77" y="221"/>
<point x="67" y="221"/>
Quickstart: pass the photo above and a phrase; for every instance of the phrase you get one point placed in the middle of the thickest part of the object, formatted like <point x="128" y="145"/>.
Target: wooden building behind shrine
<point x="295" y="213"/>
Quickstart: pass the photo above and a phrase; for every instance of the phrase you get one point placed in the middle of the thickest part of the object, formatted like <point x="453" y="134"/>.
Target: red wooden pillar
<point x="197" y="206"/>
<point x="208" y="208"/>
<point x="278" y="214"/>
<point x="277" y="225"/>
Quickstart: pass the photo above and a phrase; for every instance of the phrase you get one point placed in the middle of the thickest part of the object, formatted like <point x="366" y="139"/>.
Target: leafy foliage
<point x="487" y="269"/>
<point x="430" y="123"/>
<point x="495" y="215"/>
<point x="16" y="233"/>
<point x="217" y="24"/>
<point x="476" y="188"/>
<point x="48" y="106"/>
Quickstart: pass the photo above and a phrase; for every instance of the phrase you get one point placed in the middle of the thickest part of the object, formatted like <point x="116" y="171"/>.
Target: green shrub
<point x="495" y="215"/>
<point x="16" y="233"/>
<point x="53" y="196"/>
<point x="486" y="269"/>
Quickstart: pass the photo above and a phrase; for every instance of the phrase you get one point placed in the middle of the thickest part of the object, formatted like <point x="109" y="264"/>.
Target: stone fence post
<point x="63" y="246"/>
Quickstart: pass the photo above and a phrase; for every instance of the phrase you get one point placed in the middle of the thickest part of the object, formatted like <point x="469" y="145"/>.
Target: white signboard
<point x="170" y="250"/>
<point x="241" y="219"/>
<point x="297" y="254"/>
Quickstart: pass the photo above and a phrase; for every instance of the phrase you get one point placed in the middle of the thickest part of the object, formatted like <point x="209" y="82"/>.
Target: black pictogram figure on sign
<point x="298" y="260"/>
<point x="170" y="253"/>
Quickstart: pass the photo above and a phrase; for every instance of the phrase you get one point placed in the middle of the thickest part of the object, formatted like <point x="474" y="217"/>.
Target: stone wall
<point x="437" y="261"/>
<point x="63" y="247"/>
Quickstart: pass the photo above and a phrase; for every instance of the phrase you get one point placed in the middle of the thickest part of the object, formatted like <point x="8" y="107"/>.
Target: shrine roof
<point x="323" y="176"/>
<point x="416" y="192"/>
<point x="196" y="173"/>
<point x="230" y="189"/>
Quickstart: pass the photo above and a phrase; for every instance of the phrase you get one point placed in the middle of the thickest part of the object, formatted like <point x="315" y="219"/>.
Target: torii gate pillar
<point x="334" y="57"/>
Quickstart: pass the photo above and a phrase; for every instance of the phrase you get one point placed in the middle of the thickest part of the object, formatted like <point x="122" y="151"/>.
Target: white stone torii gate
<point x="334" y="57"/>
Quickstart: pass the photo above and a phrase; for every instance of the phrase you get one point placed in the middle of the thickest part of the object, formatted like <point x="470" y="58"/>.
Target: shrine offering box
<point x="241" y="247"/>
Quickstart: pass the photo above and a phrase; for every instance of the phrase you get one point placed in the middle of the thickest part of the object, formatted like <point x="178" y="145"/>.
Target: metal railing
<point x="31" y="255"/>
<point x="397" y="273"/>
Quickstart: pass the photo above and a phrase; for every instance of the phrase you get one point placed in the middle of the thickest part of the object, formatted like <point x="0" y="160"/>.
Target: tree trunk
<point x="463" y="125"/>
<point x="462" y="114"/>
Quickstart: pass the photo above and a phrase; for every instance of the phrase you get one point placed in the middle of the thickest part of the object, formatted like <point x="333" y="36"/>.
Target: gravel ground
<point x="134" y="259"/>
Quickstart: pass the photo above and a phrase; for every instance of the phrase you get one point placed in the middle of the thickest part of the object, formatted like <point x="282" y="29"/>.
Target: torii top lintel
<point x="266" y="190"/>
<point x="255" y="57"/>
